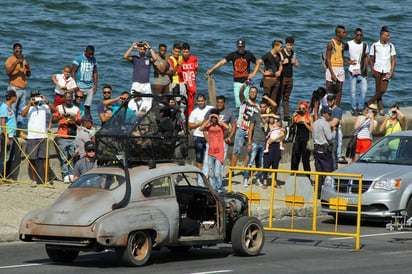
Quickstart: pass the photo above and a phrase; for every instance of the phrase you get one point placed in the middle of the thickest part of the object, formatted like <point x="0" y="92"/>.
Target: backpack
<point x="323" y="57"/>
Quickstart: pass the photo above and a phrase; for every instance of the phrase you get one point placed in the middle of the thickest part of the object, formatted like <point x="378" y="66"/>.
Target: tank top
<point x="336" y="58"/>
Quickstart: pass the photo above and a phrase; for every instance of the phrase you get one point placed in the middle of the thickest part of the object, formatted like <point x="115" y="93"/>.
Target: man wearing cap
<point x="36" y="112"/>
<point x="8" y="125"/>
<point x="86" y="163"/>
<point x="17" y="68"/>
<point x="322" y="135"/>
<point x="196" y="119"/>
<point x="241" y="60"/>
<point x="141" y="69"/>
<point x="85" y="134"/>
<point x="336" y="118"/>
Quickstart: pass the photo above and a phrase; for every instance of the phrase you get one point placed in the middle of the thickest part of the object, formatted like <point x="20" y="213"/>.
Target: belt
<point x="324" y="145"/>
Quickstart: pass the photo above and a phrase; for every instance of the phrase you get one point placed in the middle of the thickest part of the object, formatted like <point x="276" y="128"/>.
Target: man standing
<point x="105" y="113"/>
<point x="289" y="61"/>
<point x="84" y="72"/>
<point x="196" y="119"/>
<point x="86" y="163"/>
<point x="246" y="112"/>
<point x="357" y="71"/>
<point x="161" y="80"/>
<point x="178" y="85"/>
<point x="241" y="60"/>
<point x="322" y="135"/>
<point x="17" y="68"/>
<point x="36" y="111"/>
<point x="8" y="124"/>
<point x="335" y="61"/>
<point x="68" y="117"/>
<point x="336" y="118"/>
<point x="382" y="62"/>
<point x="141" y="69"/>
<point x="189" y="72"/>
<point x="273" y="70"/>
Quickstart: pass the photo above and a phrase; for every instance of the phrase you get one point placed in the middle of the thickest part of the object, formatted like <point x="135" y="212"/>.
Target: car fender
<point x="113" y="229"/>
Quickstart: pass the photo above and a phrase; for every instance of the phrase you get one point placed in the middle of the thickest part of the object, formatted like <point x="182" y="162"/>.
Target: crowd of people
<point x="316" y="125"/>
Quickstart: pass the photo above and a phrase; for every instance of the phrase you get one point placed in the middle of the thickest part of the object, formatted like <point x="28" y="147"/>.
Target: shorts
<point x="88" y="94"/>
<point x="143" y="88"/>
<point x="362" y="145"/>
<point x="200" y="148"/>
<point x="58" y="100"/>
<point x="36" y="148"/>
<point x="240" y="138"/>
<point x="339" y="72"/>
<point x="236" y="89"/>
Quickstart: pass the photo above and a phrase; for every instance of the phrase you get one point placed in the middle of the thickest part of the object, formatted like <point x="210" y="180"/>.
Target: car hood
<point x="372" y="171"/>
<point x="77" y="207"/>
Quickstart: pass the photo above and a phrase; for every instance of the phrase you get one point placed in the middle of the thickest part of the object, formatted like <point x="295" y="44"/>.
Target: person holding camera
<point x="68" y="118"/>
<point x="141" y="69"/>
<point x="36" y="112"/>
<point x="394" y="122"/>
<point x="364" y="127"/>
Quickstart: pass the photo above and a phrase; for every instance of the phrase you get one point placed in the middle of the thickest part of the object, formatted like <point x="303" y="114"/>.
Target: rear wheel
<point x="409" y="208"/>
<point x="61" y="255"/>
<point x="138" y="249"/>
<point x="247" y="237"/>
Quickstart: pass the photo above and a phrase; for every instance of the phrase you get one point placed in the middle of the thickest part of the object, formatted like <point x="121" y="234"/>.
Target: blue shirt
<point x="84" y="73"/>
<point x="8" y="113"/>
<point x="141" y="69"/>
<point x="130" y="114"/>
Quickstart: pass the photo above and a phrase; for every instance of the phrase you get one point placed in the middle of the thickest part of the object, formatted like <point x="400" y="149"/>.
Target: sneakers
<point x="354" y="112"/>
<point x="246" y="182"/>
<point x="258" y="183"/>
<point x="342" y="160"/>
<point x="287" y="119"/>
<point x="34" y="184"/>
<point x="68" y="179"/>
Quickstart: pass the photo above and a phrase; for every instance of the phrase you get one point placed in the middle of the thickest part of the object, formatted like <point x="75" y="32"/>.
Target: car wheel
<point x="138" y="249"/>
<point x="61" y="255"/>
<point x="409" y="208"/>
<point x="248" y="237"/>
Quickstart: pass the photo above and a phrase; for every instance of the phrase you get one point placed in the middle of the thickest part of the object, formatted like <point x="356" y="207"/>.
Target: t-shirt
<point x="355" y="53"/>
<point x="226" y="116"/>
<point x="84" y="73"/>
<point x="63" y="123"/>
<point x="141" y="69"/>
<point x="130" y="114"/>
<point x="82" y="166"/>
<point x="246" y="111"/>
<point x="37" y="121"/>
<point x="197" y="116"/>
<point x="18" y="76"/>
<point x="101" y="108"/>
<point x="68" y="83"/>
<point x="287" y="70"/>
<point x="83" y="135"/>
<point x="189" y="68"/>
<point x="259" y="136"/>
<point x="271" y="62"/>
<point x="241" y="64"/>
<point x="177" y="77"/>
<point x="158" y="77"/>
<point x="336" y="113"/>
<point x="216" y="140"/>
<point x="81" y="108"/>
<point x="8" y="113"/>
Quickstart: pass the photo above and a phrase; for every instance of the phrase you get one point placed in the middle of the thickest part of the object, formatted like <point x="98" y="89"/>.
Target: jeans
<point x="360" y="82"/>
<point x="255" y="153"/>
<point x="67" y="147"/>
<point x="215" y="173"/>
<point x="240" y="138"/>
<point x="339" y="139"/>
<point x="205" y="166"/>
<point x="19" y="105"/>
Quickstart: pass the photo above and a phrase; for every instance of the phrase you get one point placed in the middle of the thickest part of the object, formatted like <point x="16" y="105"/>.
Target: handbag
<point x="290" y="133"/>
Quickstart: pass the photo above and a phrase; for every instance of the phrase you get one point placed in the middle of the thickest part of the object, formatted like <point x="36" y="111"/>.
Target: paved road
<point x="382" y="252"/>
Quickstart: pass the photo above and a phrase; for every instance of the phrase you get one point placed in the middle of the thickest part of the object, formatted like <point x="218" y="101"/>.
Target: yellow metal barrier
<point x="337" y="203"/>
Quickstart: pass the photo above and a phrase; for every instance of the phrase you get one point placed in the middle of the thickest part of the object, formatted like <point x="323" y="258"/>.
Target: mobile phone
<point x="249" y="83"/>
<point x="37" y="99"/>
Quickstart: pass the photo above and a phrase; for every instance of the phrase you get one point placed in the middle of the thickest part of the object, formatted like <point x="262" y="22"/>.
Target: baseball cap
<point x="10" y="93"/>
<point x="326" y="109"/>
<point x="87" y="117"/>
<point x="89" y="145"/>
<point x="241" y="43"/>
<point x="34" y="93"/>
<point x="331" y="97"/>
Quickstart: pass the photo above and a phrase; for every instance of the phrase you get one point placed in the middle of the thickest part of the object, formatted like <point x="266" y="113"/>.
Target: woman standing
<point x="364" y="126"/>
<point x="303" y="122"/>
<point x="394" y="122"/>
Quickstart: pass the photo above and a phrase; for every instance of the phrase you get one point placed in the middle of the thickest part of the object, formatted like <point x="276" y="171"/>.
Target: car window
<point x="390" y="149"/>
<point x="158" y="187"/>
<point x="102" y="181"/>
<point x="188" y="179"/>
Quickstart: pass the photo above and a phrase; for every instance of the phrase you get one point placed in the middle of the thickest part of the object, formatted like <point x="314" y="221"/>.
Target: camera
<point x="300" y="112"/>
<point x="140" y="44"/>
<point x="37" y="99"/>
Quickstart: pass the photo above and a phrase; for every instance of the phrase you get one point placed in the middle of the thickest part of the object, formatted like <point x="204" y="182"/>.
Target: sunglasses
<point x="17" y="51"/>
<point x="122" y="98"/>
<point x="107" y="92"/>
<point x="90" y="150"/>
<point x="81" y="97"/>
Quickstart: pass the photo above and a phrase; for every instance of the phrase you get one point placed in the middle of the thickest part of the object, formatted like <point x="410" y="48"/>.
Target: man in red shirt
<point x="189" y="71"/>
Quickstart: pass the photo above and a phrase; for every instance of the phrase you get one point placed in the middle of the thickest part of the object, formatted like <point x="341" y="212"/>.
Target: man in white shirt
<point x="36" y="111"/>
<point x="357" y="71"/>
<point x="382" y="62"/>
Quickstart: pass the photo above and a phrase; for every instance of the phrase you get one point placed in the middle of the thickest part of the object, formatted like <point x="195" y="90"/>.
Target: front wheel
<point x="138" y="249"/>
<point x="61" y="255"/>
<point x="248" y="237"/>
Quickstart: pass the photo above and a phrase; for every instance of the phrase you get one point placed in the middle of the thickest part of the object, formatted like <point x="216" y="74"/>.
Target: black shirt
<point x="241" y="64"/>
<point x="271" y="62"/>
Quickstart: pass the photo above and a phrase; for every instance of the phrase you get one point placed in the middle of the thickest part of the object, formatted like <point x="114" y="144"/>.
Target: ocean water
<point x="54" y="32"/>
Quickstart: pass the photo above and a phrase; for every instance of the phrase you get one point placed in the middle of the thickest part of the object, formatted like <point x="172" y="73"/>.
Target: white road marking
<point x="211" y="272"/>
<point x="372" y="235"/>
<point x="20" y="265"/>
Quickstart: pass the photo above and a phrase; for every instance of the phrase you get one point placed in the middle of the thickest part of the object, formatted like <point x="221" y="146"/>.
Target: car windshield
<point x="390" y="150"/>
<point x="101" y="181"/>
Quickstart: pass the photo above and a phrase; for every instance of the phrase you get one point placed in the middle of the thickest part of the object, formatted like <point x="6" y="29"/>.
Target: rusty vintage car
<point x="133" y="203"/>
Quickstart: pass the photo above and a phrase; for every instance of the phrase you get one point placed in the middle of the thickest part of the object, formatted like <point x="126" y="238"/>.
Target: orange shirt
<point x="62" y="130"/>
<point x="18" y="76"/>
